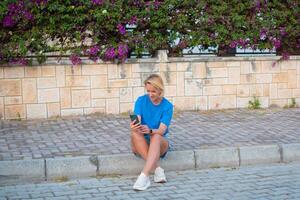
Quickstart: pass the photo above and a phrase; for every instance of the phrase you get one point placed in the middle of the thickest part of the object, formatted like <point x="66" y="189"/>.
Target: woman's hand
<point x="135" y="127"/>
<point x="145" y="129"/>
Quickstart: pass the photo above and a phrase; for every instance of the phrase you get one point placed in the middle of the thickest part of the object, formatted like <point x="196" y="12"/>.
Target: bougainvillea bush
<point x="113" y="29"/>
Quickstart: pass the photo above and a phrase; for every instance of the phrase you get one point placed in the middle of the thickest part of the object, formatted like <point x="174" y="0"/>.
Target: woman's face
<point x="153" y="93"/>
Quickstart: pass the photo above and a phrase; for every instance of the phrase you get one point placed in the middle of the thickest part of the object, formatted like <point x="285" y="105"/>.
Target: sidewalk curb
<point x="125" y="164"/>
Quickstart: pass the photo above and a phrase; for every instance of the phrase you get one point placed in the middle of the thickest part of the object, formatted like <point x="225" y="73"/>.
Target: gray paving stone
<point x="92" y="135"/>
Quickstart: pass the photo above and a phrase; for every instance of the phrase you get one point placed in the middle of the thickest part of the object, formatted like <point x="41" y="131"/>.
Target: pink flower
<point x="121" y="29"/>
<point x="75" y="59"/>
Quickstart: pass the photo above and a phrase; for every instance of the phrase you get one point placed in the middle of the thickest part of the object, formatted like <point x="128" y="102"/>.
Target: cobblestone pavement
<point x="88" y="135"/>
<point x="275" y="182"/>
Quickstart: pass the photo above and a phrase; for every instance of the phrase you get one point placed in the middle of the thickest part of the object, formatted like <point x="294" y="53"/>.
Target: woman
<point x="149" y="137"/>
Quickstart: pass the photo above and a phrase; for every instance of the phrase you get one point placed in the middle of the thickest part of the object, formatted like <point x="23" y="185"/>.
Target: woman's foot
<point x="142" y="182"/>
<point x="159" y="175"/>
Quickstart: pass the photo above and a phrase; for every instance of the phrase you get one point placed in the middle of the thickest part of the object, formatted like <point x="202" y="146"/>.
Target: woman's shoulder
<point x="167" y="103"/>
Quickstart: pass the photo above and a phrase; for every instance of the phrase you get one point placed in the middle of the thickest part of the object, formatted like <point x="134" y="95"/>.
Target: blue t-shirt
<point x="152" y="115"/>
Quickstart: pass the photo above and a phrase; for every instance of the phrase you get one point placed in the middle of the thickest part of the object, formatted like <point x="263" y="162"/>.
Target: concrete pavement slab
<point x="251" y="155"/>
<point x="291" y="152"/>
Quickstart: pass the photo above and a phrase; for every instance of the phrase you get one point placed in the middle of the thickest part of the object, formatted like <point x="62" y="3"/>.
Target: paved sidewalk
<point x="275" y="182"/>
<point x="105" y="135"/>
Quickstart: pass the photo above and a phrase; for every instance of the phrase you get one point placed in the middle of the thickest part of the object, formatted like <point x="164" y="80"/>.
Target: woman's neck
<point x="157" y="101"/>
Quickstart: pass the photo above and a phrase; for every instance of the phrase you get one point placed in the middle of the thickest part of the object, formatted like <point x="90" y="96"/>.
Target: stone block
<point x="218" y="72"/>
<point x="282" y="85"/>
<point x="194" y="87"/>
<point x="94" y="69"/>
<point x="266" y="90"/>
<point x="14" y="72"/>
<point x="218" y="157"/>
<point x="216" y="64"/>
<point x="13" y="100"/>
<point x="185" y="66"/>
<point x="273" y="91"/>
<point x="170" y="91"/>
<point x="65" y="98"/>
<point x="33" y="72"/>
<point x="1" y="72"/>
<point x="234" y="75"/>
<point x="243" y="102"/>
<point x="298" y="81"/>
<point x="185" y="158"/>
<point x="247" y="78"/>
<point x="36" y="111"/>
<point x="99" y="81"/>
<point x="81" y="98"/>
<point x="169" y="78"/>
<point x="138" y="91"/>
<point x="292" y="79"/>
<point x="48" y="95"/>
<point x="180" y="84"/>
<point x="278" y="102"/>
<point x="291" y="152"/>
<point x="245" y="67"/>
<point x="212" y="90"/>
<point x="78" y="81"/>
<point x="270" y="67"/>
<point x="125" y="95"/>
<point x="125" y="71"/>
<point x="296" y="93"/>
<point x="122" y="164"/>
<point x="105" y="93"/>
<point x="46" y="82"/>
<point x="112" y="106"/>
<point x="281" y="77"/>
<point x="29" y="90"/>
<point x="15" y="112"/>
<point x="284" y="93"/>
<point x="98" y="103"/>
<point x="88" y="111"/>
<point x="229" y="89"/>
<point x="48" y="70"/>
<point x="126" y="107"/>
<point x="288" y="64"/>
<point x="201" y="103"/>
<point x="53" y="109"/>
<point x="218" y="81"/>
<point x="266" y="154"/>
<point x="233" y="64"/>
<point x="148" y="68"/>
<point x="170" y="67"/>
<point x="73" y="70"/>
<point x="255" y="66"/>
<point x="134" y="82"/>
<point x="60" y="76"/>
<point x="74" y="167"/>
<point x="118" y="83"/>
<point x="199" y="70"/>
<point x="263" y="78"/>
<point x="257" y="90"/>
<point x="113" y="71"/>
<point x="222" y="102"/>
<point x="71" y="112"/>
<point x="1" y="107"/>
<point x="185" y="103"/>
<point x="21" y="170"/>
<point x="243" y="90"/>
<point x="10" y="87"/>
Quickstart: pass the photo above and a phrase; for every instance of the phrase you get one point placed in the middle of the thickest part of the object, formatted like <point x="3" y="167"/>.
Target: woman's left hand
<point x="145" y="129"/>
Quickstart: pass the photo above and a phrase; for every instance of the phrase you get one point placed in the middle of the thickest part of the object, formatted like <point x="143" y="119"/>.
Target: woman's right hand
<point x="135" y="127"/>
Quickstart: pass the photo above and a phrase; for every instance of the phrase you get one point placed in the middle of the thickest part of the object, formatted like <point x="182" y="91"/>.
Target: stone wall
<point x="191" y="84"/>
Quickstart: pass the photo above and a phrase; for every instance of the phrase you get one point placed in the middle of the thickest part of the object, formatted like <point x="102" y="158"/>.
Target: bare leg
<point x="139" y="145"/>
<point x="158" y="146"/>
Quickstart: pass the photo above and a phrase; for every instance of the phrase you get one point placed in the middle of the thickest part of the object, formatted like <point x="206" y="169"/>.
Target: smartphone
<point x="134" y="117"/>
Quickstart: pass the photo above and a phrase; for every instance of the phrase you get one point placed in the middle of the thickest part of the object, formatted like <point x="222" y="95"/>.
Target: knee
<point x="156" y="138"/>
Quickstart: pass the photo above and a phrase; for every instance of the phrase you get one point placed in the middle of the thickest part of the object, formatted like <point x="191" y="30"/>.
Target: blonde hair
<point x="156" y="81"/>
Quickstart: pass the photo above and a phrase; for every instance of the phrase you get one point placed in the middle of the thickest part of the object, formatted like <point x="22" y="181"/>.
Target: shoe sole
<point x="161" y="181"/>
<point x="143" y="188"/>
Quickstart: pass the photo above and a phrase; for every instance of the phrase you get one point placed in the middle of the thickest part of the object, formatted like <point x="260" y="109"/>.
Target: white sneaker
<point x="142" y="182"/>
<point x="159" y="175"/>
